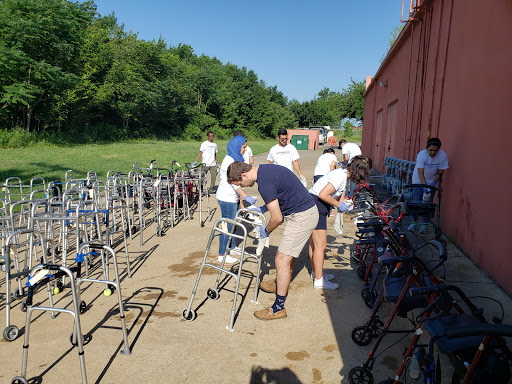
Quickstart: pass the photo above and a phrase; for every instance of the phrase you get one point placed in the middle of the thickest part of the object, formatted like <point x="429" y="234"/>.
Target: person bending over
<point x="286" y="200"/>
<point x="329" y="191"/>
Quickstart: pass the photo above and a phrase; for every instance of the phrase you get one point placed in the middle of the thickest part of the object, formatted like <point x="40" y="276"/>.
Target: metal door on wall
<point x="391" y="129"/>
<point x="378" y="152"/>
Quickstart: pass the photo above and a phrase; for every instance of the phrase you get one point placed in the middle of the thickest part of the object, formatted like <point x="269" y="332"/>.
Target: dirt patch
<point x="297" y="356"/>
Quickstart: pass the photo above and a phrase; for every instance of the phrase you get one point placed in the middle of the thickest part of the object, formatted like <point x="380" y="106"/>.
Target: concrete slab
<point x="313" y="345"/>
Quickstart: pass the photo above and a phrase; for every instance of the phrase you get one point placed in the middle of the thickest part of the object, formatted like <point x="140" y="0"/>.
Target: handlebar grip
<point x="442" y="249"/>
<point x="428" y="290"/>
<point x="480" y="330"/>
<point x="95" y="246"/>
<point x="402" y="207"/>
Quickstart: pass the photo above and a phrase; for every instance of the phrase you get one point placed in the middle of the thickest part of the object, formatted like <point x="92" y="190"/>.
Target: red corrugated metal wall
<point x="448" y="76"/>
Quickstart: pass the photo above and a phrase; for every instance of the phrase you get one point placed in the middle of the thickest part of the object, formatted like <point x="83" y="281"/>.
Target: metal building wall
<point x="447" y="76"/>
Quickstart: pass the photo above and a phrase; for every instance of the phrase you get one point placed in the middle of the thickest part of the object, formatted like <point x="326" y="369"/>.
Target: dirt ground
<point x="313" y="345"/>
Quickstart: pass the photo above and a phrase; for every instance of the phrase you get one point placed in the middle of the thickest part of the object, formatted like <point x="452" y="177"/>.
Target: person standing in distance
<point x="286" y="155"/>
<point x="286" y="200"/>
<point x="208" y="151"/>
<point x="248" y="157"/>
<point x="348" y="152"/>
<point x="430" y="165"/>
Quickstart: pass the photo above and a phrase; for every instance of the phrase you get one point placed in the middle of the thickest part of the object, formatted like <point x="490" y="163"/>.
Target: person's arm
<point x="297" y="166"/>
<point x="216" y="161"/>
<point x="276" y="216"/>
<point x="198" y="156"/>
<point x="333" y="165"/>
<point x="438" y="175"/>
<point x="421" y="175"/>
<point x="251" y="160"/>
<point x="325" y="195"/>
<point x="270" y="162"/>
<point x="345" y="158"/>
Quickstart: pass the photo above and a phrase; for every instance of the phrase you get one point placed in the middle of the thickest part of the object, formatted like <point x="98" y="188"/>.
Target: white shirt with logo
<point x="430" y="165"/>
<point x="208" y="153"/>
<point x="283" y="155"/>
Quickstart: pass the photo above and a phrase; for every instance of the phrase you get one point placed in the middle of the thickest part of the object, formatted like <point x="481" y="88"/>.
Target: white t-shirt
<point x="247" y="154"/>
<point x="351" y="150"/>
<point x="323" y="164"/>
<point x="283" y="155"/>
<point x="208" y="153"/>
<point x="226" y="192"/>
<point x="338" y="179"/>
<point x="430" y="165"/>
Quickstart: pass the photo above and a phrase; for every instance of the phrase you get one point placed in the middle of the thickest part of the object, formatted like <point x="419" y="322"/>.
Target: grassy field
<point x="52" y="162"/>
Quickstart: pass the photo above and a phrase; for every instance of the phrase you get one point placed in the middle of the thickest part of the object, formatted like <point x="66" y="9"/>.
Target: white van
<point x="322" y="134"/>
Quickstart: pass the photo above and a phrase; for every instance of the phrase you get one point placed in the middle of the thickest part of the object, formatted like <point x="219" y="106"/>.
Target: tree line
<point x="67" y="71"/>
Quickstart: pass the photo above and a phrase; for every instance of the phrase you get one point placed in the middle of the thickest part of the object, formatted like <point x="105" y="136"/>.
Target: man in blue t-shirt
<point x="286" y="199"/>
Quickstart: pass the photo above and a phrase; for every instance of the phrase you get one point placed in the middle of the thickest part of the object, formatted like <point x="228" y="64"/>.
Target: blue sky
<point x="299" y="46"/>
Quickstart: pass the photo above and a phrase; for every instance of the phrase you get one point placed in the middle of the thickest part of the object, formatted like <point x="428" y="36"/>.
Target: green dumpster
<point x="300" y="141"/>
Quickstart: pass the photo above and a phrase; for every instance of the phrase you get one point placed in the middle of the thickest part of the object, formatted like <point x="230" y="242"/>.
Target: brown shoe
<point x="266" y="314"/>
<point x="268" y="286"/>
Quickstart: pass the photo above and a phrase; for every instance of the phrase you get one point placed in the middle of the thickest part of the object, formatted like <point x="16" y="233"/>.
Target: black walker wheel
<point x="213" y="293"/>
<point x="360" y="337"/>
<point x="360" y="375"/>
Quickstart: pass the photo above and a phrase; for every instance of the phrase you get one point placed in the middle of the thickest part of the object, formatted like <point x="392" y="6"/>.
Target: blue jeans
<point x="228" y="211"/>
<point x="417" y="196"/>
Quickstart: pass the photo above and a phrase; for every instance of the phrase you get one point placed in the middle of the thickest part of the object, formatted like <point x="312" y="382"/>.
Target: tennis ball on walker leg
<point x="107" y="292"/>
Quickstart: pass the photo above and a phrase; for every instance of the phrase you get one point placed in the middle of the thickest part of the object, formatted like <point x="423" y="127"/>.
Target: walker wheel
<point x="23" y="306"/>
<point x="19" y="380"/>
<point x="375" y="327"/>
<point x="60" y="285"/>
<point x="213" y="293"/>
<point x="18" y="294"/>
<point x="360" y="337"/>
<point x="82" y="307"/>
<point x="360" y="272"/>
<point x="360" y="375"/>
<point x="367" y="297"/>
<point x="191" y="315"/>
<point x="11" y="333"/>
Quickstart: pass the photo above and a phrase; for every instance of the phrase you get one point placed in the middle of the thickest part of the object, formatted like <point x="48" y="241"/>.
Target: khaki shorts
<point x="297" y="230"/>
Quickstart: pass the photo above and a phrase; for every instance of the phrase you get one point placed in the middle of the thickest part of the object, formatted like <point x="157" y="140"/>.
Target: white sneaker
<point x="325" y="284"/>
<point x="229" y="259"/>
<point x="327" y="276"/>
<point x="235" y="251"/>
<point x="411" y="227"/>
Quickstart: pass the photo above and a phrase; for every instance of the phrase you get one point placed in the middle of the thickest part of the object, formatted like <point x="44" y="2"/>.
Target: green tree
<point x="348" y="128"/>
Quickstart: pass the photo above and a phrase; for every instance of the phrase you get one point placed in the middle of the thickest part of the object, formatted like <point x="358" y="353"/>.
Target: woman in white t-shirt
<point x="329" y="191"/>
<point x="430" y="165"/>
<point x="325" y="164"/>
<point x="228" y="195"/>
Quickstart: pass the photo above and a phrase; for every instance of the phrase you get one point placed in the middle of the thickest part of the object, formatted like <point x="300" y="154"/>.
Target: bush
<point x="16" y="138"/>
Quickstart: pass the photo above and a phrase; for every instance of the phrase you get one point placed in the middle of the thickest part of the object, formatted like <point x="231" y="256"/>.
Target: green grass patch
<point x="51" y="161"/>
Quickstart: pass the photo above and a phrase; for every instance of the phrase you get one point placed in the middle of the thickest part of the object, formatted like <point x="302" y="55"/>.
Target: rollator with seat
<point x="426" y="207"/>
<point x="475" y="348"/>
<point x="404" y="273"/>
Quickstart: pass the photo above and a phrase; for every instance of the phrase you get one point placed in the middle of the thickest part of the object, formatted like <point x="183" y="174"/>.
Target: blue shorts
<point x="323" y="211"/>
